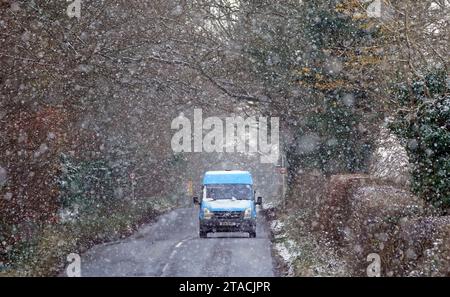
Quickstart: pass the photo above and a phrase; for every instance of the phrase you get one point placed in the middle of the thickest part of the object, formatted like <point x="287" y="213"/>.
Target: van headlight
<point x="248" y="213"/>
<point x="207" y="214"/>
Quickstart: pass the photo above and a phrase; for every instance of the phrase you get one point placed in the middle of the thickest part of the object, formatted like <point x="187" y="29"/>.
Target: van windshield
<point x="229" y="191"/>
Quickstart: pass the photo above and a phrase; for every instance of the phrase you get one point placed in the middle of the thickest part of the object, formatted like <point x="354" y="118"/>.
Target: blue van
<point x="227" y="203"/>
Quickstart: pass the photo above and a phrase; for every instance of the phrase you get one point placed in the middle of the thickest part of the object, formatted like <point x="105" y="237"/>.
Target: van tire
<point x="203" y="234"/>
<point x="252" y="234"/>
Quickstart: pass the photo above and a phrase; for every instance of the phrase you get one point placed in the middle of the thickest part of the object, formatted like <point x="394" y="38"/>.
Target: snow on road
<point x="172" y="247"/>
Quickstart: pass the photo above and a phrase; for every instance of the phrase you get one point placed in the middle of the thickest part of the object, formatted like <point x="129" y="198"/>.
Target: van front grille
<point x="228" y="215"/>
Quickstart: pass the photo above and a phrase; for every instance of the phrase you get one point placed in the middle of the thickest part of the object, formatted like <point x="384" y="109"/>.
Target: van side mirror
<point x="195" y="200"/>
<point x="259" y="201"/>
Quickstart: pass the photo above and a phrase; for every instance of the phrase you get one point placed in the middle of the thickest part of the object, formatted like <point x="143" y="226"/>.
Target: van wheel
<point x="203" y="234"/>
<point x="252" y="234"/>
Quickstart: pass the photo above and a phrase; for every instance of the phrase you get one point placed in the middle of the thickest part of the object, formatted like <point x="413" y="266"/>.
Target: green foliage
<point x="85" y="184"/>
<point x="311" y="49"/>
<point x="340" y="149"/>
<point x="424" y="124"/>
<point x="177" y="160"/>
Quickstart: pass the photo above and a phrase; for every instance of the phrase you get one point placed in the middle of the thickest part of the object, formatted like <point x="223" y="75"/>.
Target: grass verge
<point x="45" y="254"/>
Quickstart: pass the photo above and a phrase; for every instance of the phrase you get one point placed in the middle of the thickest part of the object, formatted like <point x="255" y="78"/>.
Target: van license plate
<point x="227" y="223"/>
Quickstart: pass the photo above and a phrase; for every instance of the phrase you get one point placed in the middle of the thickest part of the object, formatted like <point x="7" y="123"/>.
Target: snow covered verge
<point x="297" y="250"/>
<point x="286" y="249"/>
<point x="305" y="254"/>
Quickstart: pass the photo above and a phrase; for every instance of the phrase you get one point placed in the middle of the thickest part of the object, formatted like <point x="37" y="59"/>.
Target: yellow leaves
<point x="354" y="4"/>
<point x="340" y="7"/>
<point x="370" y="60"/>
<point x="366" y="56"/>
<point x="306" y="70"/>
<point x="364" y="61"/>
<point x="331" y="85"/>
<point x="348" y="7"/>
<point x="358" y="17"/>
<point x="308" y="78"/>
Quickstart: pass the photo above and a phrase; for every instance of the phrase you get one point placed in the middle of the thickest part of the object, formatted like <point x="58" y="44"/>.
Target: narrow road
<point x="171" y="247"/>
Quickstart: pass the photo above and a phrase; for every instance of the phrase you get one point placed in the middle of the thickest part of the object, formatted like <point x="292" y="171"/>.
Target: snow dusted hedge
<point x="354" y="215"/>
<point x="423" y="123"/>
